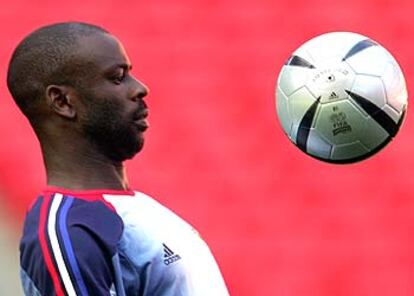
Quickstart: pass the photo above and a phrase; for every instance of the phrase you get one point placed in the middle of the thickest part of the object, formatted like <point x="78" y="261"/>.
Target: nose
<point x="140" y="90"/>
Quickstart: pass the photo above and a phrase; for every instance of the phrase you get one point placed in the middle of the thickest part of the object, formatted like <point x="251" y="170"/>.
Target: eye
<point x="119" y="77"/>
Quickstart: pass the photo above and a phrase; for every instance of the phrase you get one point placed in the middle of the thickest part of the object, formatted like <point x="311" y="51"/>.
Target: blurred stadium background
<point x="279" y="222"/>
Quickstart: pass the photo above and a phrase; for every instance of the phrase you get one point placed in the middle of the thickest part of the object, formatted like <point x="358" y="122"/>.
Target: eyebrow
<point x="121" y="65"/>
<point x="125" y="66"/>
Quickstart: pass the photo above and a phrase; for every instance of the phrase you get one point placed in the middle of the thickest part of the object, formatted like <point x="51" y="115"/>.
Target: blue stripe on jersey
<point x="62" y="223"/>
<point x="32" y="262"/>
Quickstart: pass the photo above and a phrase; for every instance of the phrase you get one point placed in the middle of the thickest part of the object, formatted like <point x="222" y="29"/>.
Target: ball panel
<point x="391" y="112"/>
<point x="331" y="46"/>
<point x="304" y="54"/>
<point x="371" y="88"/>
<point x="340" y="122"/>
<point x="395" y="87"/>
<point x="299" y="62"/>
<point x="292" y="78"/>
<point x="331" y="80"/>
<point x="360" y="46"/>
<point x="298" y="104"/>
<point x="374" y="134"/>
<point x="283" y="111"/>
<point x="349" y="152"/>
<point x="305" y="126"/>
<point x="371" y="61"/>
<point x="382" y="118"/>
<point x="317" y="146"/>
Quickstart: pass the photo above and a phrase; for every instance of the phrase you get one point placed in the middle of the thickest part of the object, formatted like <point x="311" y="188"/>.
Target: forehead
<point x="102" y="50"/>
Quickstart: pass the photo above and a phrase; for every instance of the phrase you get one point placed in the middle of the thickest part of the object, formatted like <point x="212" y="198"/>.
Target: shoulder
<point x="73" y="239"/>
<point x="137" y="203"/>
<point x="66" y="216"/>
<point x="94" y="216"/>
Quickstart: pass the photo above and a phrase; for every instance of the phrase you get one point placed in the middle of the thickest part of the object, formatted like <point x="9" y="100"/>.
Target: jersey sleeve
<point x="81" y="239"/>
<point x="90" y="266"/>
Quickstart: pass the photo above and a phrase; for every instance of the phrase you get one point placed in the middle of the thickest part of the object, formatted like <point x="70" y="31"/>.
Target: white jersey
<point x="107" y="242"/>
<point x="169" y="254"/>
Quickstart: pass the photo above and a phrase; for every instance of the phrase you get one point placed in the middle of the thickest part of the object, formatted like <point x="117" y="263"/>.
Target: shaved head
<point x="73" y="83"/>
<point x="47" y="56"/>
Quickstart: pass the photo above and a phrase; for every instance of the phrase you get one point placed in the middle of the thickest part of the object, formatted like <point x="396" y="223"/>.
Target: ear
<point x="60" y="99"/>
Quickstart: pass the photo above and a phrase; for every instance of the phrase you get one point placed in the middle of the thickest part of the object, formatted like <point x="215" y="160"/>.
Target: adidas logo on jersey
<point x="169" y="256"/>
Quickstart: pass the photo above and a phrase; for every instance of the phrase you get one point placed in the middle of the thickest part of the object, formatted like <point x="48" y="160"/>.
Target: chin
<point x="132" y="151"/>
<point x="120" y="146"/>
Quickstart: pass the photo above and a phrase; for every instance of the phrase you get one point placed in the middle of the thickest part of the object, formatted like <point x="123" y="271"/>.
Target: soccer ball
<point x="341" y="97"/>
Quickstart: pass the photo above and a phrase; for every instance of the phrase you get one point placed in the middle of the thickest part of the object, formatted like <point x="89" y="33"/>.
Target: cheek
<point x="103" y="114"/>
<point x="107" y="104"/>
<point x="111" y="114"/>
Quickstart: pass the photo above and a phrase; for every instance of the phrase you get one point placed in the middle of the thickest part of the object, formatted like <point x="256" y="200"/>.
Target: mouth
<point x="141" y="124"/>
<point x="140" y="120"/>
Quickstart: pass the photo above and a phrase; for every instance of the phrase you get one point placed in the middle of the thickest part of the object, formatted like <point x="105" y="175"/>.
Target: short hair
<point x="44" y="57"/>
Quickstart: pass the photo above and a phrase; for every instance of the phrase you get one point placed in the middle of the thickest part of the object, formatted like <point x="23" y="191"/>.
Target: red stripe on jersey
<point x="44" y="210"/>
<point x="89" y="195"/>
<point x="88" y="192"/>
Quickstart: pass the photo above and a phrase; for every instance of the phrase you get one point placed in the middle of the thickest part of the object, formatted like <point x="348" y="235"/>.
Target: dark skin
<point x="87" y="132"/>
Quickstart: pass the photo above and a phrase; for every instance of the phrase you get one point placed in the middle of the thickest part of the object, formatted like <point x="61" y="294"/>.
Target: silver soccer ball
<point x="341" y="97"/>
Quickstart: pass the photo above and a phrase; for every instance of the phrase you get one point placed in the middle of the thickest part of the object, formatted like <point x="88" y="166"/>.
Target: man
<point x="88" y="233"/>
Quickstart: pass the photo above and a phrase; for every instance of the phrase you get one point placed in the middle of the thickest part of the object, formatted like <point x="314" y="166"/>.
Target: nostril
<point x="138" y="96"/>
<point x="143" y="104"/>
<point x="142" y="94"/>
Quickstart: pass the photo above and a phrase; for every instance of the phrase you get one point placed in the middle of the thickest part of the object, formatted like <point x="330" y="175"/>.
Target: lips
<point x="142" y="124"/>
<point x="140" y="120"/>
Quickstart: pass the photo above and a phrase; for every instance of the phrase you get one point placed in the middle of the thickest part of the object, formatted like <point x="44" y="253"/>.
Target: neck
<point x="82" y="168"/>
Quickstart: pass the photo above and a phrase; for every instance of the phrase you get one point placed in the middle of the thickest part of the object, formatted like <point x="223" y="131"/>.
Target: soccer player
<point x="88" y="233"/>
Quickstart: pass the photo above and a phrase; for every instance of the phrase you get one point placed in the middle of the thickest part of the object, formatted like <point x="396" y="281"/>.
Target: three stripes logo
<point x="169" y="256"/>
